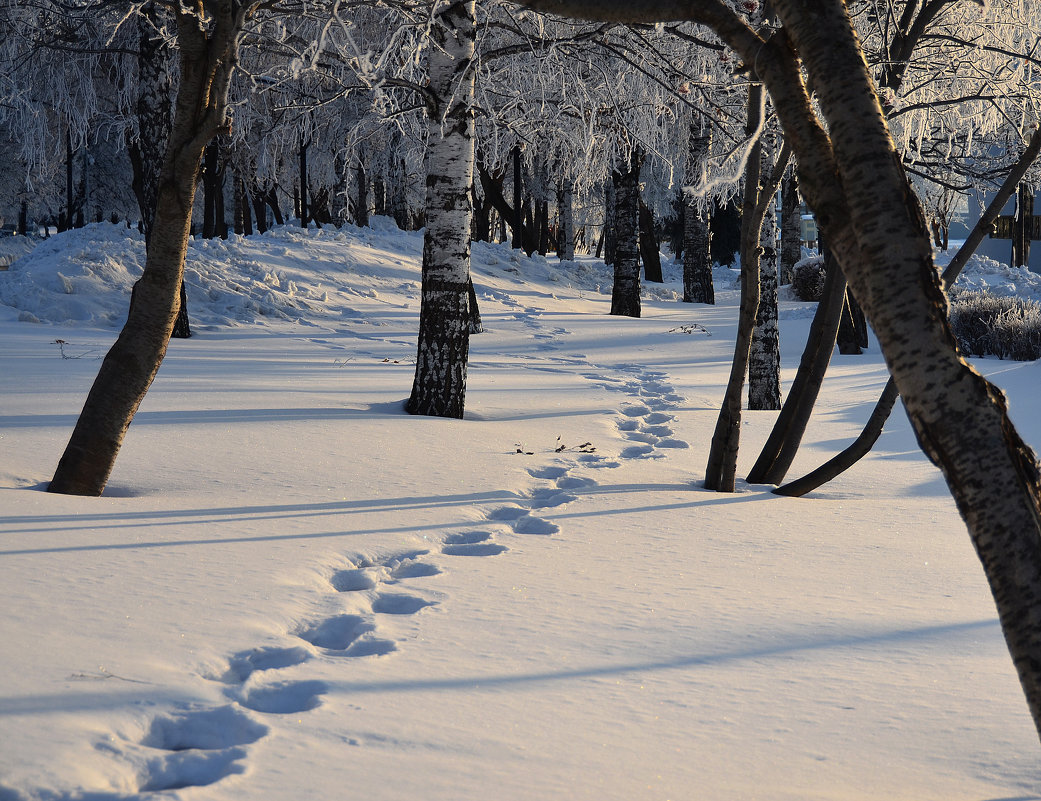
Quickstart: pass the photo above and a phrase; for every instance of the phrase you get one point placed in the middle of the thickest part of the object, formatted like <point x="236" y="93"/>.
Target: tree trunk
<point x="566" y="231"/>
<point x="873" y="428"/>
<point x="518" y="200"/>
<point x="610" y="237"/>
<point x="791" y="229"/>
<point x="361" y="211"/>
<point x="23" y="218"/>
<point x="625" y="295"/>
<point x="721" y="470"/>
<point x="259" y="202"/>
<point x="764" y="361"/>
<point x="305" y="212"/>
<point x="152" y="112"/>
<point x="697" y="236"/>
<point x="965" y="428"/>
<point x="783" y="443"/>
<point x="649" y="247"/>
<point x="439" y="387"/>
<point x="207" y="61"/>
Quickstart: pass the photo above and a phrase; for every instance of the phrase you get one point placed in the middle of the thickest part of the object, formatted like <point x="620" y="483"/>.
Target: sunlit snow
<point x="293" y="590"/>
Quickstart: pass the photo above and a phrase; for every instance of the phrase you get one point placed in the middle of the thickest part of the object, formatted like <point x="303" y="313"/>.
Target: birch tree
<point x="851" y="174"/>
<point x="439" y="387"/>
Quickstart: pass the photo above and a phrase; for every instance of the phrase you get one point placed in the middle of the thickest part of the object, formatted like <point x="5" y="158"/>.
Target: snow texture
<point x="291" y="589"/>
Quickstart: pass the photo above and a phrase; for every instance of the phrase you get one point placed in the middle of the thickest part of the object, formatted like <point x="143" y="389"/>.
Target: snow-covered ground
<point x="293" y="590"/>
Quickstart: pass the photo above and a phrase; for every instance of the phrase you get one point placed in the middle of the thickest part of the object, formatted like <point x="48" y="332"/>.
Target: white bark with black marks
<point x="439" y="388"/>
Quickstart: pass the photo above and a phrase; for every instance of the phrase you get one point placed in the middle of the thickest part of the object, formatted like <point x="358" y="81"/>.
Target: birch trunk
<point x="764" y="360"/>
<point x="208" y="58"/>
<point x="721" y="471"/>
<point x="439" y="387"/>
<point x="625" y="295"/>
<point x="854" y="180"/>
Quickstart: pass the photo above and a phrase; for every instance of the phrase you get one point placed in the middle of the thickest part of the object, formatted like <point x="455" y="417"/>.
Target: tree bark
<point x="649" y="252"/>
<point x="566" y="232"/>
<point x="697" y="235"/>
<point x="361" y="215"/>
<point x="208" y="58"/>
<point x="791" y="229"/>
<point x="625" y="295"/>
<point x="860" y="447"/>
<point x="439" y="387"/>
<point x="721" y="470"/>
<point x="610" y="236"/>
<point x="764" y="360"/>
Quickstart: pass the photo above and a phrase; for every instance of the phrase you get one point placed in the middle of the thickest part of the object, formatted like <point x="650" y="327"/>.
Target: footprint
<point x="658" y="417"/>
<point x="635" y="411"/>
<point x="551" y="498"/>
<point x="285" y="698"/>
<point x="628" y="425"/>
<point x="397" y="604"/>
<point x="575" y="482"/>
<point x="474" y="549"/>
<point x="508" y="512"/>
<point x="547" y="472"/>
<point x="204" y="729"/>
<point x="407" y="570"/>
<point x="641" y="436"/>
<point x="594" y="460"/>
<point x="673" y="443"/>
<point x="189" y="769"/>
<point x="335" y="633"/>
<point x="534" y="525"/>
<point x="370" y="647"/>
<point x="352" y="580"/>
<point x="467" y="537"/>
<point x="636" y="451"/>
<point x="658" y="431"/>
<point x="243" y="664"/>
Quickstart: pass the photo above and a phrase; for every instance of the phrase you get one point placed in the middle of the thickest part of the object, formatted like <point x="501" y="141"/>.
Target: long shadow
<point x="786" y="648"/>
<point x="316" y="535"/>
<point x="218" y="514"/>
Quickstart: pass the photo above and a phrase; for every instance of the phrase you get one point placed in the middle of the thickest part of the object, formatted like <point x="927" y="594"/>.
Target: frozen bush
<point x="808" y="278"/>
<point x="1008" y="327"/>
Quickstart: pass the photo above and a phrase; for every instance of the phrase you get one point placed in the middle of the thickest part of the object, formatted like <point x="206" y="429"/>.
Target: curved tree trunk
<point x="721" y="471"/>
<point x="439" y="387"/>
<point x="207" y="61"/>
<point x="781" y="446"/>
<point x="853" y="178"/>
<point x="883" y="408"/>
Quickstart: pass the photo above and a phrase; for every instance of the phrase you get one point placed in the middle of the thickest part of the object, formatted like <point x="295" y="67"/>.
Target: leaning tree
<point x="852" y="176"/>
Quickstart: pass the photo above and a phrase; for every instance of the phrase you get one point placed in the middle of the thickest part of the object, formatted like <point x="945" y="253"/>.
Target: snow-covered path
<point x="294" y="590"/>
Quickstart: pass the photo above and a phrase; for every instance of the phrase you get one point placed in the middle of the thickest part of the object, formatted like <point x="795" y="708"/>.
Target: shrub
<point x="1008" y="327"/>
<point x="808" y="279"/>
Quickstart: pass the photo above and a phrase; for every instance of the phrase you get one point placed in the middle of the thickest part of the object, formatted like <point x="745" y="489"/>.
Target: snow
<point x="291" y="589"/>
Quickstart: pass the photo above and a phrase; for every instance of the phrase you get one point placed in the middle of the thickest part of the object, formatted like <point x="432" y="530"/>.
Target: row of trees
<point x="658" y="105"/>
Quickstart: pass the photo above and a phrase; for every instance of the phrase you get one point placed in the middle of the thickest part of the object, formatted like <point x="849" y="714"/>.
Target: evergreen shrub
<point x="808" y="279"/>
<point x="985" y="324"/>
